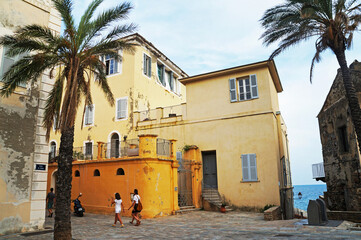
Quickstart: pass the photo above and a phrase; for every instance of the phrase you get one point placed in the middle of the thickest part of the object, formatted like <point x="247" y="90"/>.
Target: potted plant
<point x="223" y="208"/>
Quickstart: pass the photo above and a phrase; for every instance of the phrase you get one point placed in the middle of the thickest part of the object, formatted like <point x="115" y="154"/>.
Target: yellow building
<point x="231" y="138"/>
<point x="144" y="79"/>
<point x="23" y="147"/>
<point x="233" y="117"/>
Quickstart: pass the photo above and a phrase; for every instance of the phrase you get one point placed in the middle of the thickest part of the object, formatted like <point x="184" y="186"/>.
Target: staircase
<point x="212" y="196"/>
<point x="187" y="209"/>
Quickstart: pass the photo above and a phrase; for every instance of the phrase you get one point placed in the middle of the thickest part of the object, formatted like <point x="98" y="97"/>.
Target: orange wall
<point x="152" y="177"/>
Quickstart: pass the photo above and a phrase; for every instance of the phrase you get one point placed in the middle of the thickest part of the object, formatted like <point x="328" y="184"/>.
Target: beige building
<point x="23" y="147"/>
<point x="232" y="116"/>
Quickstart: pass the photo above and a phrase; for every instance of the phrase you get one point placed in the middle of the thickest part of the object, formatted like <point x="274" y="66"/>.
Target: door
<point x="209" y="169"/>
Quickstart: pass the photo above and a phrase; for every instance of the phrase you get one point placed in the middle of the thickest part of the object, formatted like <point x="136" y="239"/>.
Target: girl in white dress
<point x="118" y="207"/>
<point x="136" y="211"/>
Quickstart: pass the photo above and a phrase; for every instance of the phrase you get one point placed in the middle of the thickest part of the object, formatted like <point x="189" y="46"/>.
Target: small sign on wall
<point x="40" y="167"/>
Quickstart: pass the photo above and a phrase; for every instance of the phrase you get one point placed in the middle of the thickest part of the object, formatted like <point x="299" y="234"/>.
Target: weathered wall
<point x="16" y="159"/>
<point x="22" y="139"/>
<point x="232" y="129"/>
<point x="342" y="168"/>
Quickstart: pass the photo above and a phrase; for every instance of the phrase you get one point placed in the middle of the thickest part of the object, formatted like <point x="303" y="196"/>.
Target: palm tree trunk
<point x="62" y="225"/>
<point x="350" y="95"/>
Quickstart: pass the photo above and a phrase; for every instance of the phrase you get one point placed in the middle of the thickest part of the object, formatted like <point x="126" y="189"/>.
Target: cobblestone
<point x="196" y="225"/>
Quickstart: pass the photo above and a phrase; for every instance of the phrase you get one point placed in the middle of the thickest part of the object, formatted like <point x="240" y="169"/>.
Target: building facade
<point x="232" y="117"/>
<point x="23" y="147"/>
<point x="341" y="157"/>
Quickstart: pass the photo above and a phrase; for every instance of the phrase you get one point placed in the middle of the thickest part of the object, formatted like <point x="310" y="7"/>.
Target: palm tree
<point x="74" y="58"/>
<point x="333" y="22"/>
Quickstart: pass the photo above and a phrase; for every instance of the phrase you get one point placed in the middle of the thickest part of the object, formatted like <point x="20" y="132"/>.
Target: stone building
<point x="341" y="157"/>
<point x="23" y="147"/>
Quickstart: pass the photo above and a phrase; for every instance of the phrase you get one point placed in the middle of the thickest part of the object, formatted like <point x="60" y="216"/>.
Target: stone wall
<point x="340" y="154"/>
<point x="22" y="138"/>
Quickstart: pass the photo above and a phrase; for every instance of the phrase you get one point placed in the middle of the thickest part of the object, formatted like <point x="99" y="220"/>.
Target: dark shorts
<point x="135" y="209"/>
<point x="50" y="205"/>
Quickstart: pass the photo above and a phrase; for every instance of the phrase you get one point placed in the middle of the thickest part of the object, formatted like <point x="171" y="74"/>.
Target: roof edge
<point x="267" y="63"/>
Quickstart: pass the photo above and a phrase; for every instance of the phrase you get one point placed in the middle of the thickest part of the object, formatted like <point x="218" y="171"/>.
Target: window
<point x="52" y="153"/>
<point x="243" y="88"/>
<point x="249" y="167"/>
<point x="7" y="62"/>
<point x="112" y="66"/>
<point x="122" y="108"/>
<point x="161" y="70"/>
<point x="147" y="65"/>
<point x="342" y="139"/>
<point x="96" y="173"/>
<point x="77" y="173"/>
<point x="170" y="80"/>
<point x="89" y="115"/>
<point x="120" y="171"/>
<point x="89" y="150"/>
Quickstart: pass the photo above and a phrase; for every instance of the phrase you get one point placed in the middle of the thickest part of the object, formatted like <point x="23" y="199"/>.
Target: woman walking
<point x="118" y="207"/>
<point x="136" y="210"/>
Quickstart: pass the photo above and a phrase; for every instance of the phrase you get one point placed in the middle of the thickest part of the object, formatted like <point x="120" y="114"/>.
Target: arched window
<point x="52" y="153"/>
<point x="96" y="173"/>
<point x="114" y="146"/>
<point x="77" y="173"/>
<point x="120" y="171"/>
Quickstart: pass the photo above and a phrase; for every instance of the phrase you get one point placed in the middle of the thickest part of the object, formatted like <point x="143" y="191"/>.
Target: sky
<point x="207" y="35"/>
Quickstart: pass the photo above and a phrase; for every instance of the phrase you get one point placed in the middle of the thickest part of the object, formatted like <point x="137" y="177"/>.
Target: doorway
<point x="210" y="169"/>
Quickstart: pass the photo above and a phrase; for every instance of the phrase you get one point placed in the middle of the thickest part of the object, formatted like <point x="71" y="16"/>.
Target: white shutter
<point x="119" y="109"/>
<point x="91" y="114"/>
<point x="253" y="167"/>
<point x="122" y="108"/>
<point x="145" y="64"/>
<point x="179" y="156"/>
<point x="245" y="167"/>
<point x="86" y="115"/>
<point x="254" y="87"/>
<point x="232" y="89"/>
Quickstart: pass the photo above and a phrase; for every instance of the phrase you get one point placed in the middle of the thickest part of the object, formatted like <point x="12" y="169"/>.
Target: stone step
<point x="182" y="211"/>
<point x="186" y="207"/>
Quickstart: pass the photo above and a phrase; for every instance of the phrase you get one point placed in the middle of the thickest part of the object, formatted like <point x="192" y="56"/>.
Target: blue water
<point x="309" y="192"/>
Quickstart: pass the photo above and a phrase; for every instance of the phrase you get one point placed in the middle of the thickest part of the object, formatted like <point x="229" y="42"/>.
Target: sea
<point x="309" y="192"/>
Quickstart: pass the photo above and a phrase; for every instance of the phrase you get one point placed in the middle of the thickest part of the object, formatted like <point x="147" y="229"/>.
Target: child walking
<point x="118" y="207"/>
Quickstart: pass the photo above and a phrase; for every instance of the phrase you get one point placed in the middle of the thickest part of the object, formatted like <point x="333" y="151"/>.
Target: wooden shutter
<point x="145" y="64"/>
<point x="86" y="120"/>
<point x="252" y="167"/>
<point x="254" y="87"/>
<point x="149" y="67"/>
<point x="91" y="114"/>
<point x="122" y="108"/>
<point x="245" y="167"/>
<point x="179" y="156"/>
<point x="232" y="89"/>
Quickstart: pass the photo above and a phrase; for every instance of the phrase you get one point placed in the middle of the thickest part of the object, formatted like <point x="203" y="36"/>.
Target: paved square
<point x="197" y="225"/>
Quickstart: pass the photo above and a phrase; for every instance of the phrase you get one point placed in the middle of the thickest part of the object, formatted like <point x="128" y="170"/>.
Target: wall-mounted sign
<point x="40" y="167"/>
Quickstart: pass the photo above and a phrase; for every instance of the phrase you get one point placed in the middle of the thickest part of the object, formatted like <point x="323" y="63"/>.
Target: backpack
<point x="140" y="206"/>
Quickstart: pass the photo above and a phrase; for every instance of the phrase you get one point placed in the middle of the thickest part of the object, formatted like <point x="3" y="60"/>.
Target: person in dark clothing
<point x="50" y="199"/>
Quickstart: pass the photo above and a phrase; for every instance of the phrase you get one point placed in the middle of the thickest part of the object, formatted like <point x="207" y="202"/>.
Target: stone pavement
<point x="197" y="225"/>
